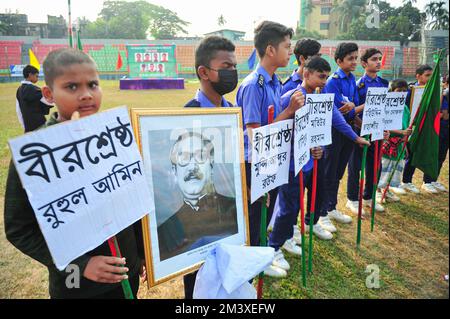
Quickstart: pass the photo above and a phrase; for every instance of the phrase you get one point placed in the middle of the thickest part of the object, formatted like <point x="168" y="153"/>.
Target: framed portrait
<point x="195" y="160"/>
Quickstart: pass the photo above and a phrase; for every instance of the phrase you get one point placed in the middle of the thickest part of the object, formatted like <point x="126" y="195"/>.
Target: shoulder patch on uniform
<point x="361" y="85"/>
<point x="335" y="76"/>
<point x="261" y="80"/>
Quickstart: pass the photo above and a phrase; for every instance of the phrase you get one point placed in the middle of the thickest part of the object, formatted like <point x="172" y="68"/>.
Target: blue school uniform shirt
<point x="366" y="82"/>
<point x="444" y="106"/>
<point x="338" y="122"/>
<point x="201" y="100"/>
<point x="344" y="88"/>
<point x="257" y="92"/>
<point x="292" y="82"/>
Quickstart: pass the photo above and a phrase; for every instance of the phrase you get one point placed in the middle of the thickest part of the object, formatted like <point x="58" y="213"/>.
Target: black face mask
<point x="228" y="80"/>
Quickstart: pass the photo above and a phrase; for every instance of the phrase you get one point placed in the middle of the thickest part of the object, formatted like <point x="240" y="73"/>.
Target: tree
<point x="134" y="20"/>
<point x="437" y="14"/>
<point x="303" y="33"/>
<point x="165" y="24"/>
<point x="348" y="11"/>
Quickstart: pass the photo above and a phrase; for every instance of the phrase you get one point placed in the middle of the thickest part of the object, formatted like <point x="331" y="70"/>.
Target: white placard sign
<point x="85" y="181"/>
<point x="372" y="122"/>
<point x="320" y="108"/>
<point x="271" y="153"/>
<point x="416" y="98"/>
<point x="394" y="107"/>
<point x="301" y="139"/>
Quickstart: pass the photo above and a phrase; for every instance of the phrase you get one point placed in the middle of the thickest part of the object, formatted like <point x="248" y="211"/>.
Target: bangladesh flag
<point x="424" y="141"/>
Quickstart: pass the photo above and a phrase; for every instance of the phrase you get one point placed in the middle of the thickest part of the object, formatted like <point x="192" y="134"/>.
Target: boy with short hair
<point x="343" y="84"/>
<point x="423" y="74"/>
<point x="304" y="49"/>
<point x="215" y="66"/>
<point x="371" y="62"/>
<point x="73" y="85"/>
<point x="259" y="92"/>
<point x="31" y="108"/>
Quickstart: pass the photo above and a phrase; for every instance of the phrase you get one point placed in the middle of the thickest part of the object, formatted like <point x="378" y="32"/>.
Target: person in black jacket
<point x="73" y="85"/>
<point x="30" y="106"/>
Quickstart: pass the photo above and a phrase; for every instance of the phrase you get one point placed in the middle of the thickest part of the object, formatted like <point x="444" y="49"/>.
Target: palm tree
<point x="347" y="11"/>
<point x="438" y="15"/>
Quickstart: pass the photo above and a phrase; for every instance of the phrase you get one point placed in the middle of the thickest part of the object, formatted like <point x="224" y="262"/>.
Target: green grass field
<point x="410" y="243"/>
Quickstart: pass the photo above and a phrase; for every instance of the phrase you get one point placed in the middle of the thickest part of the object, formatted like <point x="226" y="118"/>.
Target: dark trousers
<point x="117" y="293"/>
<point x="354" y="172"/>
<point x="443" y="149"/>
<point x="254" y="218"/>
<point x="336" y="157"/>
<point x="289" y="202"/>
<point x="189" y="283"/>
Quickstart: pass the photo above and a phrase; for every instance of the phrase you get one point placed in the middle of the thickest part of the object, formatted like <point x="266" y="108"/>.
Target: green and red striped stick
<point x="263" y="225"/>
<point x="115" y="251"/>
<point x="302" y="227"/>
<point x="375" y="182"/>
<point x="361" y="188"/>
<point x="311" y="216"/>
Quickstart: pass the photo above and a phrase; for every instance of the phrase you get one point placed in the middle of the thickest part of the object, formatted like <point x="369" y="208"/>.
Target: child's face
<point x="33" y="78"/>
<point x="316" y="79"/>
<point x="373" y="63"/>
<point x="349" y="63"/>
<point x="401" y="89"/>
<point x="77" y="89"/>
<point x="223" y="60"/>
<point x="282" y="53"/>
<point x="422" y="79"/>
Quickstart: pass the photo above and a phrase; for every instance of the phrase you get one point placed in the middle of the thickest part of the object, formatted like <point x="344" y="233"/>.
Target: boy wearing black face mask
<point x="215" y="65"/>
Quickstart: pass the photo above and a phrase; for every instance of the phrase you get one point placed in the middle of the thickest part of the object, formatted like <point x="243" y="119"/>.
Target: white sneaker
<point x="390" y="197"/>
<point x="279" y="261"/>
<point x="321" y="232"/>
<point x="368" y="203"/>
<point x="397" y="190"/>
<point x="339" y="217"/>
<point x="274" y="271"/>
<point x="297" y="235"/>
<point x="439" y="186"/>
<point x="291" y="247"/>
<point x="427" y="187"/>
<point x="353" y="206"/>
<point x="410" y="187"/>
<point x="326" y="223"/>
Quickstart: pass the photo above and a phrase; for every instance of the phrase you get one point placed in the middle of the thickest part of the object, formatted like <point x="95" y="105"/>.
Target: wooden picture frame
<point x="194" y="158"/>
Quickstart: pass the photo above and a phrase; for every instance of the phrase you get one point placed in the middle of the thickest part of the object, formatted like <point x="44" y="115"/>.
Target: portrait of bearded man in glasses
<point x="205" y="216"/>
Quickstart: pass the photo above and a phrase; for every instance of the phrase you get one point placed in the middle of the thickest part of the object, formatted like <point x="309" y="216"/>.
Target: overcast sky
<point x="202" y="14"/>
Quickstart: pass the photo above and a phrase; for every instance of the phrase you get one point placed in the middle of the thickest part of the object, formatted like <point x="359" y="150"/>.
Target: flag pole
<point x="115" y="251"/>
<point x="70" y="26"/>
<point x="361" y="188"/>
<point x="302" y="227"/>
<point x="311" y="216"/>
<point x="263" y="242"/>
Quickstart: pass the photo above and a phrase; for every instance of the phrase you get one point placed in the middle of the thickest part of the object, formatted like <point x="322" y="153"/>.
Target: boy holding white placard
<point x="72" y="83"/>
<point x="371" y="62"/>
